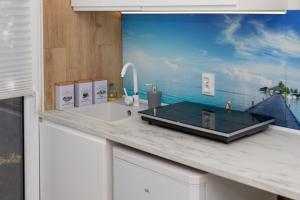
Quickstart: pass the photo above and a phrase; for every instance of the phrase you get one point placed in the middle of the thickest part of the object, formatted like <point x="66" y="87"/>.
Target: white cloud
<point x="128" y="34"/>
<point x="202" y="53"/>
<point x="173" y="66"/>
<point x="179" y="59"/>
<point x="272" y="68"/>
<point x="287" y="42"/>
<point x="147" y="36"/>
<point x="263" y="41"/>
<point x="140" y="57"/>
<point x="240" y="44"/>
<point x="171" y="63"/>
<point x="245" y="76"/>
<point x="275" y="70"/>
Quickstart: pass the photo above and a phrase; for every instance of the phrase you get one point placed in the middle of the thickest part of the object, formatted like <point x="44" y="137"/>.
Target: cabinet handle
<point x="147" y="190"/>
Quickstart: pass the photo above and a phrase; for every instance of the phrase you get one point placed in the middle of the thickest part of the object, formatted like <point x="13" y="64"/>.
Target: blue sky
<point x="245" y="52"/>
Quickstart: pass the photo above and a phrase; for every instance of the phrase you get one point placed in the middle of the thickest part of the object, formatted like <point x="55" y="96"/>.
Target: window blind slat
<point x="12" y="52"/>
<point x="17" y="56"/>
<point x="17" y="43"/>
<point x="12" y="48"/>
<point x="15" y="35"/>
<point x="15" y="49"/>
<point x="10" y="87"/>
<point x="16" y="68"/>
<point x="13" y="63"/>
<point x="17" y="76"/>
<point x="20" y="89"/>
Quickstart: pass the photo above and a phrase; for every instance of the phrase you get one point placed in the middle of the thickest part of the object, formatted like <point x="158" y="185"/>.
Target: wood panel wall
<point x="79" y="45"/>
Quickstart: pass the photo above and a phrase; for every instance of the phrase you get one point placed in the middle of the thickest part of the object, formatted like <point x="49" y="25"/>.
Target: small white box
<point x="83" y="93"/>
<point x="64" y="95"/>
<point x="99" y="91"/>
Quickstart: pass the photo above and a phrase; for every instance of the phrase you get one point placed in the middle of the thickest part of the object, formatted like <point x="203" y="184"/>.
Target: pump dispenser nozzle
<point x="153" y="87"/>
<point x="154" y="96"/>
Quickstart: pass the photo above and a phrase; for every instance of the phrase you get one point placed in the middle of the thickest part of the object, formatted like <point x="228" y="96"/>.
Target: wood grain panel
<point x="79" y="45"/>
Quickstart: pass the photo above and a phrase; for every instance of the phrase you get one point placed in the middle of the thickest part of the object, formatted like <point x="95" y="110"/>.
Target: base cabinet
<point x="78" y="166"/>
<point x="73" y="165"/>
<point x="139" y="176"/>
<point x="132" y="182"/>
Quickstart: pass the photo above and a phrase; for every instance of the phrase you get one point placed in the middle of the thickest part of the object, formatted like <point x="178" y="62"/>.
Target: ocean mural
<point x="255" y="59"/>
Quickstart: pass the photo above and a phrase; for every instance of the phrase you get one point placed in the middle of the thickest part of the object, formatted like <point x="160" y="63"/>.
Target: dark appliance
<point x="207" y="121"/>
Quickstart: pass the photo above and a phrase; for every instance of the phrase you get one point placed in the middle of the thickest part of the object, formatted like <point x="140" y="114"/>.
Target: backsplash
<point x="255" y="59"/>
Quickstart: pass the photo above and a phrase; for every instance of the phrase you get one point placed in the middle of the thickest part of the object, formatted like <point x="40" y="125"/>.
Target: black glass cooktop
<point x="208" y="121"/>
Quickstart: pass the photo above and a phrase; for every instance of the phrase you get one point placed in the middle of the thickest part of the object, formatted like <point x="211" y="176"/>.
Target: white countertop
<point x="269" y="160"/>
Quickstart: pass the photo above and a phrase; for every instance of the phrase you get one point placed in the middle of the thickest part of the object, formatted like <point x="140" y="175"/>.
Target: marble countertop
<point x="269" y="160"/>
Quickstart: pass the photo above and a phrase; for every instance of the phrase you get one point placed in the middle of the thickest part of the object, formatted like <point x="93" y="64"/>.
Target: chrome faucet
<point x="135" y="82"/>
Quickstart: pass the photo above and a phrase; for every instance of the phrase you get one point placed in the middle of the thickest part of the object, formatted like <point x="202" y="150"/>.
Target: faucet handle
<point x="128" y="99"/>
<point x="125" y="92"/>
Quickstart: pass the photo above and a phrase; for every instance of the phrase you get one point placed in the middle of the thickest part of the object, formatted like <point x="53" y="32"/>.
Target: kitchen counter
<point x="269" y="160"/>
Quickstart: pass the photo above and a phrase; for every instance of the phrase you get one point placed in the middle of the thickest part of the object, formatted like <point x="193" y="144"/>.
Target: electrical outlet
<point x="208" y="84"/>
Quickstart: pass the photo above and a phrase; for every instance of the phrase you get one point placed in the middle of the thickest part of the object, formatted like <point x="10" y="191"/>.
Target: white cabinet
<point x="214" y="5"/>
<point x="189" y="3"/>
<point x="139" y="176"/>
<point x="180" y="5"/>
<point x="136" y="183"/>
<point x="106" y="5"/>
<point x="263" y="5"/>
<point x="73" y="165"/>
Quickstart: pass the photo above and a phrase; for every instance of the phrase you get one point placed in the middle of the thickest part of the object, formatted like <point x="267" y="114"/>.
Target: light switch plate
<point x="208" y="84"/>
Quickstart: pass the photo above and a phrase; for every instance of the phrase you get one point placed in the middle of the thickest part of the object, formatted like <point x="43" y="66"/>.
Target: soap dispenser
<point x="154" y="97"/>
<point x="112" y="92"/>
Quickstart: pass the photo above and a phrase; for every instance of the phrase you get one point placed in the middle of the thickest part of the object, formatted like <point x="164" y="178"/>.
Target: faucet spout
<point x="135" y="80"/>
<point x="134" y="75"/>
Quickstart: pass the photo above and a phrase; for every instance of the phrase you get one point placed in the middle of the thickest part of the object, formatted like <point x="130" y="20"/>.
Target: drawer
<point x="133" y="182"/>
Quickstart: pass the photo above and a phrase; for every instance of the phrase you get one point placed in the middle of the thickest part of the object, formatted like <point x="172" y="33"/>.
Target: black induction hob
<point x="207" y="121"/>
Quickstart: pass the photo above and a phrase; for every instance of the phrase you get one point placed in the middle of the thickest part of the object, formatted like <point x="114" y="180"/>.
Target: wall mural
<point x="255" y="59"/>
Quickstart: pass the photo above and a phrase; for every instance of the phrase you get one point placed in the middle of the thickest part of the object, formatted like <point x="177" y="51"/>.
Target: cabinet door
<point x="132" y="182"/>
<point x="189" y="2"/>
<point x="105" y="3"/>
<point x="263" y="5"/>
<point x="73" y="165"/>
<point x="224" y="5"/>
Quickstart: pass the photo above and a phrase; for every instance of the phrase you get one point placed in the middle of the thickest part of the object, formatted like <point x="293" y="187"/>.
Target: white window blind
<point x="15" y="49"/>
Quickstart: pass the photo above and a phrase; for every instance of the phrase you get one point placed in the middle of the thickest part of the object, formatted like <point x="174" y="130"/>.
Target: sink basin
<point x="109" y="111"/>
